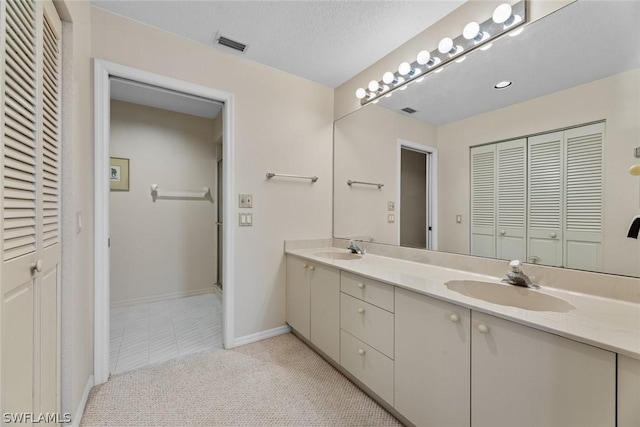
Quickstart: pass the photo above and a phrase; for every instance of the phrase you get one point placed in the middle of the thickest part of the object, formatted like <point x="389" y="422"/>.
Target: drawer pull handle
<point x="311" y="267"/>
<point x="305" y="266"/>
<point x="361" y="352"/>
<point x="483" y="329"/>
<point x="454" y="318"/>
<point x="360" y="285"/>
<point x="361" y="310"/>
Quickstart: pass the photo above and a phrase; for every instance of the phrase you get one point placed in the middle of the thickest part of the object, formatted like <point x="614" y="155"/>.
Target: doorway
<point x="103" y="72"/>
<point x="417" y="195"/>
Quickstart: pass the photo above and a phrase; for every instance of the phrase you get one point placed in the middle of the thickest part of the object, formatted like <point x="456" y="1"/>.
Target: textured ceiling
<point x="324" y="41"/>
<point x="585" y="41"/>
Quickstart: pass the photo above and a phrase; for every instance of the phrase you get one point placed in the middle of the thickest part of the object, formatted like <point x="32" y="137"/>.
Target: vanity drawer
<point x="369" y="290"/>
<point x="373" y="368"/>
<point x="368" y="323"/>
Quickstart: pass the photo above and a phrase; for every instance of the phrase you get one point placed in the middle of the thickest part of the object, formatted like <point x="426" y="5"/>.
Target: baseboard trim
<point x="75" y="422"/>
<point x="259" y="336"/>
<point x="173" y="295"/>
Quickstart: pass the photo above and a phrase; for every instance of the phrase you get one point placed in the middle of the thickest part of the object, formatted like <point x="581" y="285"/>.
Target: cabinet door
<point x="544" y="224"/>
<point x="298" y="296"/>
<point x="483" y="201"/>
<point x="432" y="360"/>
<point x="524" y="377"/>
<point x="628" y="392"/>
<point x="511" y="199"/>
<point x="325" y="310"/>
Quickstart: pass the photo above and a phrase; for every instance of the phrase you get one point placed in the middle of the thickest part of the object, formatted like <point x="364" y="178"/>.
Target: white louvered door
<point x="511" y="199"/>
<point x="483" y="201"/>
<point x="583" y="197"/>
<point x="30" y="130"/>
<point x="544" y="224"/>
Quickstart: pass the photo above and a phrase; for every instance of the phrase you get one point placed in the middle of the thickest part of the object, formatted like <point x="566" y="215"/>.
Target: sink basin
<point x="338" y="255"/>
<point x="509" y="295"/>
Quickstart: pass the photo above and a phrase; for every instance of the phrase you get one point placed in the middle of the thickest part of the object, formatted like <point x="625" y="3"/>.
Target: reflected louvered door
<point x="545" y="212"/>
<point x="30" y="252"/>
<point x="511" y="199"/>
<point x="483" y="201"/>
<point x="583" y="197"/>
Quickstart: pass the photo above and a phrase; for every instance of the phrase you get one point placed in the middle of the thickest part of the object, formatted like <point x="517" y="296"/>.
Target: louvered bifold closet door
<point x="511" y="199"/>
<point x="583" y="195"/>
<point x="18" y="128"/>
<point x="483" y="201"/>
<point x="47" y="384"/>
<point x="545" y="212"/>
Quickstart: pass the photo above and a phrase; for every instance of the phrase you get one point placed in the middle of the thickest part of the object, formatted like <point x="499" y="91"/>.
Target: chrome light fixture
<point x="505" y="19"/>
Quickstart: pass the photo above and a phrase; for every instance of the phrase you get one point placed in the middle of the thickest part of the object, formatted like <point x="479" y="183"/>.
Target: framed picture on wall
<point x="119" y="174"/>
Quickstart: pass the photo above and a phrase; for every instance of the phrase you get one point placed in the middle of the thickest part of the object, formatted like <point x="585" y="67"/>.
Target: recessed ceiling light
<point x="502" y="85"/>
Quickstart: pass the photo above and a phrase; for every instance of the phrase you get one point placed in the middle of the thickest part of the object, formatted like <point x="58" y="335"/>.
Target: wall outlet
<point x="245" y="201"/>
<point x="391" y="206"/>
<point x="391" y="218"/>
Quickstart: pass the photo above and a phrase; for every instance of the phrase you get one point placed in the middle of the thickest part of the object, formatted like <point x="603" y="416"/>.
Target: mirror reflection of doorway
<point x="415" y="206"/>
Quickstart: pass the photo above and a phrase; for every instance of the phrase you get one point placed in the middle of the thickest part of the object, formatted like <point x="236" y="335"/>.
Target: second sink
<point x="509" y="295"/>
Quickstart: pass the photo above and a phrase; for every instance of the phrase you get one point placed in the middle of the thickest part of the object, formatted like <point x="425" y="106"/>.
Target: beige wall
<point x="615" y="99"/>
<point x="168" y="247"/>
<point x="366" y="149"/>
<point x="282" y="123"/>
<point x="77" y="198"/>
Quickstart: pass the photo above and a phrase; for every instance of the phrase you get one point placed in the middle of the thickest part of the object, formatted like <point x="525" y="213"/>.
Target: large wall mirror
<point x="536" y="171"/>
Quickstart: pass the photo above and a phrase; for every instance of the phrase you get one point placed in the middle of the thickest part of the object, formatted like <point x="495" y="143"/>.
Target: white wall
<point x="166" y="248"/>
<point x="282" y="123"/>
<point x="615" y="99"/>
<point x="366" y="149"/>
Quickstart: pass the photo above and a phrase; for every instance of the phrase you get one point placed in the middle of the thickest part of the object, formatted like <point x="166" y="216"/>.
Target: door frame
<point x="432" y="189"/>
<point x="102" y="71"/>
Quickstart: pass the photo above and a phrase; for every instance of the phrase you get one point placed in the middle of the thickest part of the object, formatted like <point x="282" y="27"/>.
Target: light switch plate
<point x="459" y="219"/>
<point x="391" y="206"/>
<point x="245" y="219"/>
<point x="391" y="218"/>
<point x="245" y="201"/>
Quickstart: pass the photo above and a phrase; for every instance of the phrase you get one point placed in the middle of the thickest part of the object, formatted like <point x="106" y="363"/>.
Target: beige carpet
<point x="275" y="382"/>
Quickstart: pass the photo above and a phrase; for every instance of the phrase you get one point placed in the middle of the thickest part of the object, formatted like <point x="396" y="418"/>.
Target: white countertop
<point x="602" y="322"/>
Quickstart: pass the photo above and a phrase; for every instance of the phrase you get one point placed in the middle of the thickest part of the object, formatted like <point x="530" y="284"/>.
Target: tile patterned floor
<point x="146" y="334"/>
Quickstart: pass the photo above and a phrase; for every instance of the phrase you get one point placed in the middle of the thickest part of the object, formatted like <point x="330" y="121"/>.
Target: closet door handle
<point x="503" y="232"/>
<point x="36" y="267"/>
<point x="553" y="235"/>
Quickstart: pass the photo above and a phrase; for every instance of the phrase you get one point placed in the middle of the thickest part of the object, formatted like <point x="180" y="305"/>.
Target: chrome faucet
<point x="517" y="277"/>
<point x="355" y="249"/>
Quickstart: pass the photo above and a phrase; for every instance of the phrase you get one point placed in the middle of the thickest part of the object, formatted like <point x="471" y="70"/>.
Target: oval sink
<point x="509" y="295"/>
<point x="338" y="255"/>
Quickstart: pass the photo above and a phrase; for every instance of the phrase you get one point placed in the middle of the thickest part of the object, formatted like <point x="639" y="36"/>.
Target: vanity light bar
<point x="505" y="19"/>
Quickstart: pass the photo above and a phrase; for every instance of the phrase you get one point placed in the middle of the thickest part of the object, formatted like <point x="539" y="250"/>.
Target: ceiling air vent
<point x="409" y="110"/>
<point x="240" y="47"/>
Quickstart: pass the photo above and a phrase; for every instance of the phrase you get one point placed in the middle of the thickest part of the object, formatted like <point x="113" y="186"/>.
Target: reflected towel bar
<point x="350" y="182"/>
<point x="157" y="193"/>
<point x="271" y="175"/>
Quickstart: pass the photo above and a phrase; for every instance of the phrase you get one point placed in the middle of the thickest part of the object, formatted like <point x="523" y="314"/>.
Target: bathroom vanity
<point x="420" y="341"/>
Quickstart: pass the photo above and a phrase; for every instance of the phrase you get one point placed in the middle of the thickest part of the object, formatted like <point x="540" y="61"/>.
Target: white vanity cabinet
<point x="432" y="360"/>
<point x="313" y="303"/>
<point x="628" y="391"/>
<point x="524" y="377"/>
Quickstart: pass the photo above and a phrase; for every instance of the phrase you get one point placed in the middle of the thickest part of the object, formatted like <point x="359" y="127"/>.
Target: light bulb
<point x="404" y="68"/>
<point x="388" y="77"/>
<point x="423" y="57"/>
<point x="374" y="86"/>
<point x="385" y="88"/>
<point x="471" y="30"/>
<point x="445" y="45"/>
<point x="361" y="93"/>
<point x="502" y="13"/>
